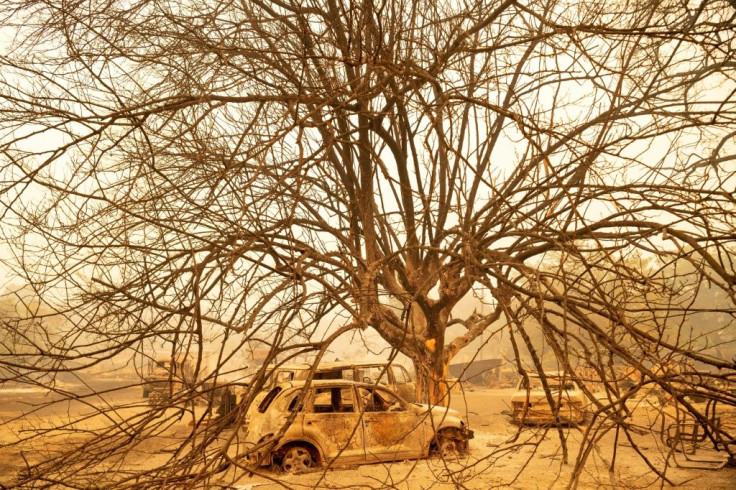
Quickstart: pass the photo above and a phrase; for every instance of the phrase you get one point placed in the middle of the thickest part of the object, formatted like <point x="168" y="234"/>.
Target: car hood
<point x="439" y="413"/>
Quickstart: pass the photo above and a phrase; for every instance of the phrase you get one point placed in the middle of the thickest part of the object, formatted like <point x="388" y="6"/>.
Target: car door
<point x="403" y="384"/>
<point x="392" y="428"/>
<point x="331" y="420"/>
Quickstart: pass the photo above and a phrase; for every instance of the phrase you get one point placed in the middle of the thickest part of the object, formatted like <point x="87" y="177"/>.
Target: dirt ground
<point x="502" y="455"/>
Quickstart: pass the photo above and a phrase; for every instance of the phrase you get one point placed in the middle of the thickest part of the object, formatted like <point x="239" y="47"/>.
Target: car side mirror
<point x="366" y="379"/>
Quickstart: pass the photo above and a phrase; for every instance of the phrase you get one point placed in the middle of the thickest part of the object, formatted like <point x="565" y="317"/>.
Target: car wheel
<point x="448" y="448"/>
<point x="297" y="459"/>
<point x="449" y="445"/>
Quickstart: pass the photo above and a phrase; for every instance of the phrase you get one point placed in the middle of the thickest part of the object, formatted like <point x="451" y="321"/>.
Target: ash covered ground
<point x="501" y="455"/>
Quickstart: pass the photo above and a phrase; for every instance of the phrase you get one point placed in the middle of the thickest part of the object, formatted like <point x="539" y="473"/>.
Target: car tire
<point x="447" y="448"/>
<point x="297" y="459"/>
<point x="449" y="444"/>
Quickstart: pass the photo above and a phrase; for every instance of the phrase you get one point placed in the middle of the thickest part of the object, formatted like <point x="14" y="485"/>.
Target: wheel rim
<point x="296" y="460"/>
<point x="448" y="449"/>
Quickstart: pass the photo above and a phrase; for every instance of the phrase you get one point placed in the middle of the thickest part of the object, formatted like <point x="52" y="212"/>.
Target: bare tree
<point x="262" y="171"/>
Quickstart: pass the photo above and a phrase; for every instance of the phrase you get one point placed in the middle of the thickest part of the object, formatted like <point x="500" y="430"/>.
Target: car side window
<point x="293" y="407"/>
<point x="328" y="375"/>
<point x="372" y="374"/>
<point x="333" y="399"/>
<point x="268" y="399"/>
<point x="400" y="374"/>
<point x="283" y="376"/>
<point x="379" y="401"/>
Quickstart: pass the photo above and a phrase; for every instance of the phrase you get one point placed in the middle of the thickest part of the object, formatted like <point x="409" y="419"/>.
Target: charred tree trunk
<point x="432" y="384"/>
<point x="431" y="363"/>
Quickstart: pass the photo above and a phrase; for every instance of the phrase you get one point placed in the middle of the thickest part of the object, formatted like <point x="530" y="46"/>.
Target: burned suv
<point x="297" y="426"/>
<point x="531" y="406"/>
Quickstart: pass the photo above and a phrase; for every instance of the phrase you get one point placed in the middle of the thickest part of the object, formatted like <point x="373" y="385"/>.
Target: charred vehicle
<point x="165" y="377"/>
<point x="394" y="376"/>
<point x="531" y="406"/>
<point x="333" y="422"/>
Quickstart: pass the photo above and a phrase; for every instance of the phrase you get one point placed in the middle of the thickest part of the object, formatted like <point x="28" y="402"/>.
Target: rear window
<point x="268" y="399"/>
<point x="293" y="405"/>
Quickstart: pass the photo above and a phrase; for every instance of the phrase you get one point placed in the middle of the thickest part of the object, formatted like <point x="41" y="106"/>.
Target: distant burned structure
<point x="481" y="372"/>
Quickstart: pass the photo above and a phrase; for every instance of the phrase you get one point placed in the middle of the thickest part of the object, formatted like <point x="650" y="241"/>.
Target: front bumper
<point x="260" y="453"/>
<point x="259" y="458"/>
<point x="467" y="433"/>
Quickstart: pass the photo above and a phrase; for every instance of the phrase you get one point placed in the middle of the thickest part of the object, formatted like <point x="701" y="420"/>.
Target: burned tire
<point x="447" y="448"/>
<point x="297" y="459"/>
<point x="449" y="444"/>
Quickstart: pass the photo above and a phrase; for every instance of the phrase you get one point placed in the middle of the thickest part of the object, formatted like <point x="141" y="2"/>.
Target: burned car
<point x="531" y="406"/>
<point x="334" y="422"/>
<point x="395" y="376"/>
<point x="167" y="376"/>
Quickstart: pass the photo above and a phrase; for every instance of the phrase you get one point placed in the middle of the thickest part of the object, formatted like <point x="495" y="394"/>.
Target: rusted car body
<point x="339" y="422"/>
<point x="395" y="376"/>
<point x="531" y="406"/>
<point x="165" y="377"/>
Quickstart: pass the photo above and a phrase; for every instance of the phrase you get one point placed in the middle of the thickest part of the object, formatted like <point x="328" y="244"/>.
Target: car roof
<point x="323" y="366"/>
<point x="291" y="365"/>
<point x="344" y="364"/>
<point x="329" y="382"/>
<point x="552" y="374"/>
